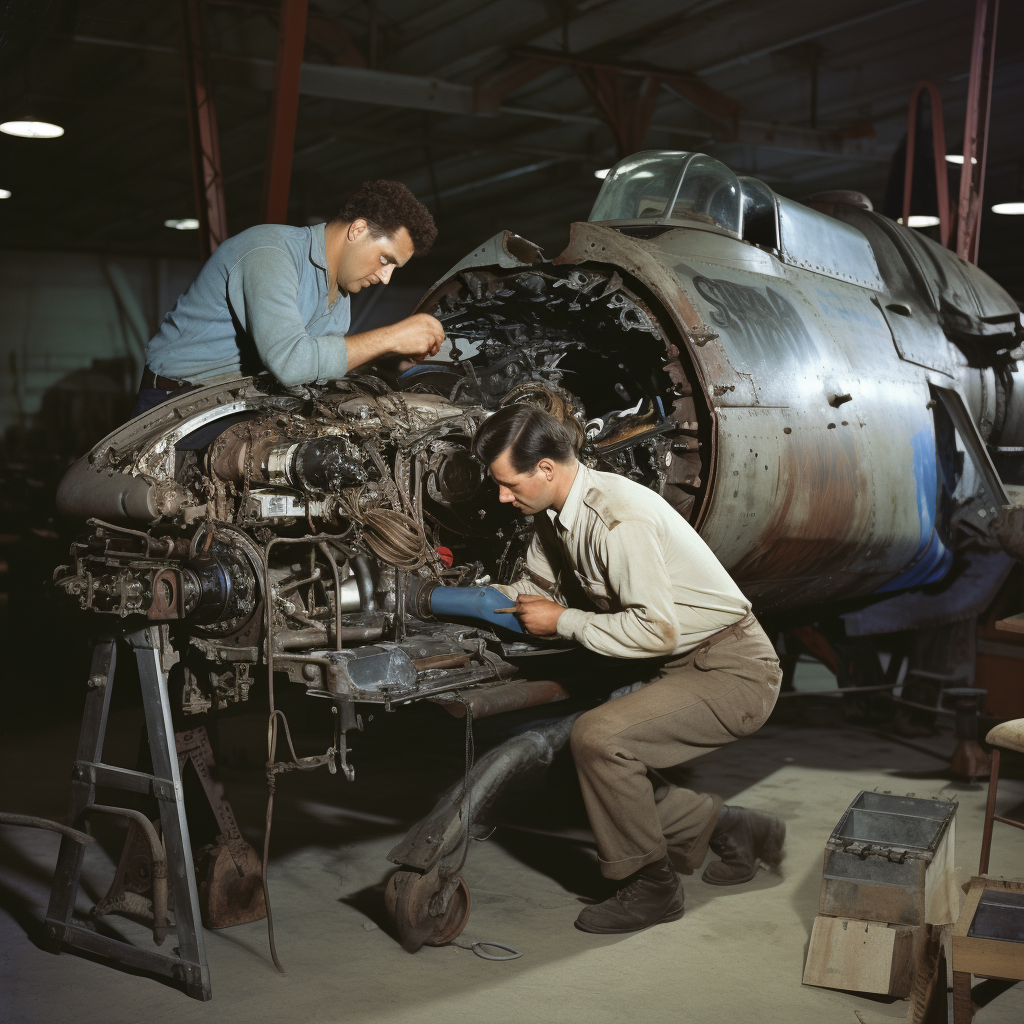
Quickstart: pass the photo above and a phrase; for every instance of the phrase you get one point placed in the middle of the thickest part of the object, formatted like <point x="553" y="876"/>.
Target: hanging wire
<point x="465" y="810"/>
<point x="274" y="767"/>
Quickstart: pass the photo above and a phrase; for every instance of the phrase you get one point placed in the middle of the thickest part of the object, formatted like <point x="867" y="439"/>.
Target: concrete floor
<point x="736" y="956"/>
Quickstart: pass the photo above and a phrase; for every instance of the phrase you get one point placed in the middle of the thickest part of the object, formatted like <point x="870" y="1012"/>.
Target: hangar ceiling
<point x="481" y="107"/>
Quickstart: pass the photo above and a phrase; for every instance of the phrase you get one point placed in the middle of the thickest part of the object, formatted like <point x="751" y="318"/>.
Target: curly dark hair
<point x="387" y="206"/>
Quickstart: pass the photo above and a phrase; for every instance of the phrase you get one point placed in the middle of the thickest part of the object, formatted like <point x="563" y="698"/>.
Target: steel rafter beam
<point x="414" y="92"/>
<point x="284" y="110"/>
<point x="706" y="99"/>
<point x="207" y="177"/>
<point x="785" y="44"/>
<point x="627" y="112"/>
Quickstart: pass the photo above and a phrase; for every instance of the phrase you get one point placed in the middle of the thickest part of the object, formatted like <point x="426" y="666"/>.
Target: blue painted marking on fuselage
<point x="835" y="306"/>
<point x="932" y="559"/>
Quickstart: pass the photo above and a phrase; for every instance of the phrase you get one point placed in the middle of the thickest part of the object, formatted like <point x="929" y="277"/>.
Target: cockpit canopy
<point x="692" y="190"/>
<point x="664" y="186"/>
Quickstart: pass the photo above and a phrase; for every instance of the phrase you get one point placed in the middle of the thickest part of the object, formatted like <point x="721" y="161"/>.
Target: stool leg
<point x="963" y="1008"/>
<point x="990" y="810"/>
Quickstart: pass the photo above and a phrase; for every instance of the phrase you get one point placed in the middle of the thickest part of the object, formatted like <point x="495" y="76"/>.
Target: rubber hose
<point x="474" y="603"/>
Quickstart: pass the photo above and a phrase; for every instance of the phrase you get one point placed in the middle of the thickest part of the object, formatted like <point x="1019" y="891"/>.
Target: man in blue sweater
<point x="277" y="296"/>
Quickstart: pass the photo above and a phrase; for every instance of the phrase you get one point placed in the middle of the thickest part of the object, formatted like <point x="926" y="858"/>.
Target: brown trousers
<point x="719" y="692"/>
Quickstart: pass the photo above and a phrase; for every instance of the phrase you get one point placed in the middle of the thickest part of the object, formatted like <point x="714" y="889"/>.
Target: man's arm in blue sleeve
<point x="263" y="289"/>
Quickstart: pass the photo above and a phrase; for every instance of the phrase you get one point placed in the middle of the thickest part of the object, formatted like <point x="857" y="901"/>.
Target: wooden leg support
<point x="990" y="810"/>
<point x="963" y="1008"/>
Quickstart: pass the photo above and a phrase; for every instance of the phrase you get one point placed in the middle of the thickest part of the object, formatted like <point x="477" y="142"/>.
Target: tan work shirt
<point x="656" y="586"/>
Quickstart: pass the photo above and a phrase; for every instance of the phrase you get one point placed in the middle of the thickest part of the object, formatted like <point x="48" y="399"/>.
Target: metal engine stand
<point x="186" y="964"/>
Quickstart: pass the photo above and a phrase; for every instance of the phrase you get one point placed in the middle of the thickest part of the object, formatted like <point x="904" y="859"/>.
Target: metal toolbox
<point x="890" y="859"/>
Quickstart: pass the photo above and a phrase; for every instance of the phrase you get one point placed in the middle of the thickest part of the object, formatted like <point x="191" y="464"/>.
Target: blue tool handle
<point x="474" y="603"/>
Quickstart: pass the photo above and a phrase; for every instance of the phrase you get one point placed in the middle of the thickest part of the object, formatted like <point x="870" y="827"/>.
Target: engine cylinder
<point x="323" y="464"/>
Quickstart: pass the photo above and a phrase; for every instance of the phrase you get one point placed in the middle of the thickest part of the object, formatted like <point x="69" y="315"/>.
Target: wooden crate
<point x="890" y="860"/>
<point x="980" y="953"/>
<point x="863" y="956"/>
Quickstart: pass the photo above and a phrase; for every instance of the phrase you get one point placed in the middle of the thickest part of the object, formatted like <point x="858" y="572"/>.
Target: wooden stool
<point x="1011" y="736"/>
<point x="988" y="939"/>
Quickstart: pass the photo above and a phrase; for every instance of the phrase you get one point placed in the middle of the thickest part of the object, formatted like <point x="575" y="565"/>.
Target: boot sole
<point x="673" y="916"/>
<point x="769" y="854"/>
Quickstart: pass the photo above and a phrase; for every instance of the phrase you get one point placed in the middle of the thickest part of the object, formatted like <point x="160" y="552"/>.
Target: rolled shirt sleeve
<point x="263" y="292"/>
<point x="647" y="625"/>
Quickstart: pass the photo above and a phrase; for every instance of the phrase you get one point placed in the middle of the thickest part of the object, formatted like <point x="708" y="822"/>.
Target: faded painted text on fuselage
<point x="762" y="319"/>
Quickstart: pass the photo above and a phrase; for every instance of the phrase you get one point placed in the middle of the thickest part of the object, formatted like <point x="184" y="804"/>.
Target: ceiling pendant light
<point x="182" y="224"/>
<point x="919" y="220"/>
<point x="5" y="193"/>
<point x="1014" y="209"/>
<point x="29" y="128"/>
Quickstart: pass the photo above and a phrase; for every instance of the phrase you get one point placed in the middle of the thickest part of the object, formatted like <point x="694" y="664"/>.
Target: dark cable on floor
<point x="266" y="888"/>
<point x="466" y="809"/>
<point x="271" y="786"/>
<point x="274" y="768"/>
<point x="478" y="946"/>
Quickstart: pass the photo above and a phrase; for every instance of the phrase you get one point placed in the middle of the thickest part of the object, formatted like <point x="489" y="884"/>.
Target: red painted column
<point x="979" y="103"/>
<point x="938" y="152"/>
<point x="207" y="177"/>
<point x="284" y="110"/>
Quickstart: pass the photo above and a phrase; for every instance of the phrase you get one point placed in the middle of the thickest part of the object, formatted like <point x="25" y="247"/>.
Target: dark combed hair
<point x="528" y="433"/>
<point x="388" y="206"/>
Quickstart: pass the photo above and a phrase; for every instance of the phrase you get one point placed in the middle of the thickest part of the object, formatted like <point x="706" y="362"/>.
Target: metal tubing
<point x="207" y="177"/>
<point x="442" y="832"/>
<point x="31" y="821"/>
<point x="159" y="855"/>
<point x="1008" y="821"/>
<point x="990" y="810"/>
<point x="979" y="104"/>
<point x="61" y="908"/>
<point x="284" y="110"/>
<point x="315" y="539"/>
<point x="329" y="555"/>
<point x="364" y="578"/>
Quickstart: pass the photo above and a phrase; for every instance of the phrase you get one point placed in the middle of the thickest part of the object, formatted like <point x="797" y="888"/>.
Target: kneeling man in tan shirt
<point x="655" y="591"/>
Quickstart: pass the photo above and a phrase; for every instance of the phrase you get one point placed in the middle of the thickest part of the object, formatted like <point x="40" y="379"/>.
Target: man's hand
<point x="538" y="615"/>
<point x="416" y="338"/>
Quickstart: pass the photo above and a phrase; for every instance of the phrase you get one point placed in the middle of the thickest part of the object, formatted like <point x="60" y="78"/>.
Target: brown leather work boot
<point x="744" y="839"/>
<point x="653" y="896"/>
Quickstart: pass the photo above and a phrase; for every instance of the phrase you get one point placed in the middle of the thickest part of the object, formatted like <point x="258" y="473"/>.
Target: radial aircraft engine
<point x="832" y="400"/>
